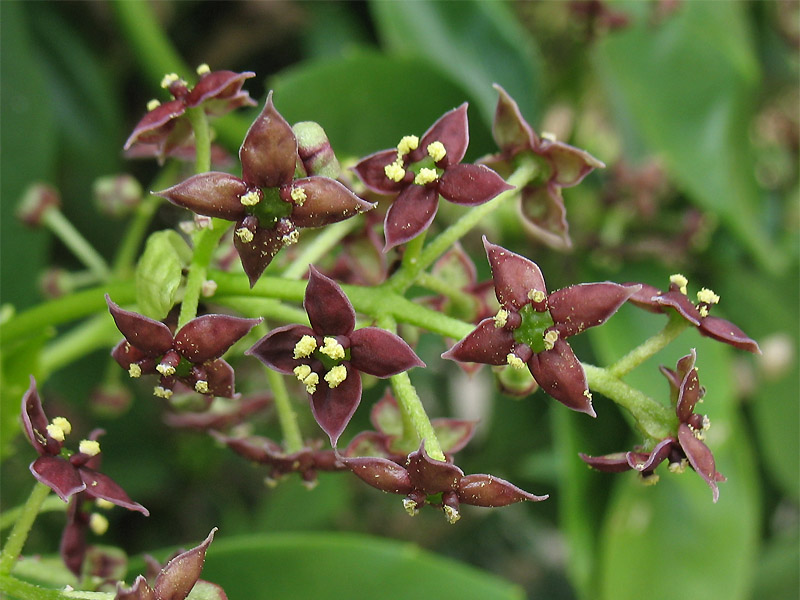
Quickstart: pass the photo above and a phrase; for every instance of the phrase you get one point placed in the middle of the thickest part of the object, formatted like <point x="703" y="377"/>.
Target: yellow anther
<point x="436" y="151"/>
<point x="55" y="432"/>
<point x="104" y="504"/>
<point x="501" y="318"/>
<point x="304" y="348"/>
<point x="203" y="69"/>
<point x="650" y="479"/>
<point x="336" y="375"/>
<point x="201" y="387"/>
<point x="515" y="361"/>
<point x="407" y="144"/>
<point x="706" y="423"/>
<point x="678" y="466"/>
<point x="244" y="234"/>
<point x="290" y="238"/>
<point x="251" y="198"/>
<point x="307" y="377"/>
<point x="299" y="196"/>
<point x="169" y="79"/>
<point x="680" y="281"/>
<point x="451" y="514"/>
<point x="548" y="135"/>
<point x="165" y="369"/>
<point x="395" y="171"/>
<point x="588" y="395"/>
<point x="411" y="507"/>
<point x="162" y="392"/>
<point x="703" y="310"/>
<point x="537" y="296"/>
<point x="63" y="424"/>
<point x="332" y="348"/>
<point x="550" y="339"/>
<point x="153" y="104"/>
<point x="134" y="370"/>
<point x="707" y="296"/>
<point x="98" y="523"/>
<point x="89" y="447"/>
<point x="426" y="175"/>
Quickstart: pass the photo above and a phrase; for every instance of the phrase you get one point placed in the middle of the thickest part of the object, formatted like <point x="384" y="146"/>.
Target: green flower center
<point x="271" y="209"/>
<point x="532" y="329"/>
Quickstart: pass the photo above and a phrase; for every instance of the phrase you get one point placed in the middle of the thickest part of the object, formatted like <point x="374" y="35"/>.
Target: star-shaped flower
<point x="191" y="356"/>
<point x="531" y="326"/>
<point x="64" y="472"/>
<point x="685" y="446"/>
<point x="418" y="171"/>
<point x="267" y="203"/>
<point x="327" y="356"/>
<point x="164" y="129"/>
<point x="423" y="480"/>
<point x="562" y="165"/>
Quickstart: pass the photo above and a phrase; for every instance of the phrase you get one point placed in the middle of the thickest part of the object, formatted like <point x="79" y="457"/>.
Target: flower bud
<point x="315" y="150"/>
<point x="36" y="200"/>
<point x="116" y="195"/>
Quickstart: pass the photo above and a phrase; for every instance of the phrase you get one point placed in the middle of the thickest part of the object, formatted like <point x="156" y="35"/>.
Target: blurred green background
<point x="694" y="108"/>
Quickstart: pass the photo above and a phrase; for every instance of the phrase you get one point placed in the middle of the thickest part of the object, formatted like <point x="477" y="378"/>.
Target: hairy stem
<point x="292" y="438"/>
<point x="19" y="533"/>
<point x="649" y="347"/>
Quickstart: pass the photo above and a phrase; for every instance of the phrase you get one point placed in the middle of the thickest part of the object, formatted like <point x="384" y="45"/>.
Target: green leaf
<point x="689" y="86"/>
<point x="476" y="43"/>
<point x="158" y="273"/>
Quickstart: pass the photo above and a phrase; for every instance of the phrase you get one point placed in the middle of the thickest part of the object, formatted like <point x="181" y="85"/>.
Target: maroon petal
<point x="410" y="214"/>
<point x="486" y="344"/>
<point x="700" y="458"/>
<point x="471" y="185"/>
<point x="510" y="130"/>
<point x="432" y="476"/>
<point x="125" y="355"/>
<point x="381" y="353"/>
<point x="259" y="252"/>
<point x="254" y="448"/>
<point x="157" y="123"/>
<point x="329" y="310"/>
<point x="153" y="338"/>
<point x="452" y="130"/>
<point x="560" y="374"/>
<point x="453" y="434"/>
<point x="487" y="490"/>
<point x="220" y="377"/>
<point x="646" y="297"/>
<point x="221" y="85"/>
<point x="371" y="171"/>
<point x="59" y="475"/>
<point x="269" y="150"/>
<point x="610" y="463"/>
<point x="102" y="486"/>
<point x="180" y="574"/>
<point x="327" y="201"/>
<point x="211" y="194"/>
<point x="334" y="407"/>
<point x="380" y="473"/>
<point x="682" y="304"/>
<point x="646" y="463"/>
<point x="35" y="422"/>
<point x="210" y="336"/>
<point x="515" y="277"/>
<point x="276" y="349"/>
<point x="544" y="215"/>
<point x="570" y="164"/>
<point x="689" y="389"/>
<point x="138" y="591"/>
<point x="368" y="443"/>
<point x="72" y="547"/>
<point x="725" y="331"/>
<point x="585" y="305"/>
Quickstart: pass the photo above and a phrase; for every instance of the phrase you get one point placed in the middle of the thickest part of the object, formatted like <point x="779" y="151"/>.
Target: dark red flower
<point x="267" y="203"/>
<point x="531" y="326"/>
<point x="423" y="480"/>
<point x="436" y="160"/>
<point x="562" y="165"/>
<point x="164" y="129"/>
<point x="654" y="300"/>
<point x="686" y="446"/>
<point x="327" y="356"/>
<point x="191" y="356"/>
<point x="67" y="473"/>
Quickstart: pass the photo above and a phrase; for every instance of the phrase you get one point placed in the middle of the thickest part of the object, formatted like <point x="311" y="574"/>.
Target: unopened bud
<point x="116" y="195"/>
<point x="315" y="150"/>
<point x="37" y="199"/>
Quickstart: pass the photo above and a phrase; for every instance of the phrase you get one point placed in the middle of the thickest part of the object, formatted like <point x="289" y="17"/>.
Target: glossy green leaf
<point x="689" y="85"/>
<point x="476" y="43"/>
<point x="158" y="273"/>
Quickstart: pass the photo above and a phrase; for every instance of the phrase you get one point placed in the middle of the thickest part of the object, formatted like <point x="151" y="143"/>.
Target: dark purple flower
<point x="191" y="356"/>
<point x="267" y="203"/>
<point x="327" y="356"/>
<point x="531" y="326"/>
<point x="423" y="480"/>
<point x="654" y="300"/>
<point x="562" y="165"/>
<point x="686" y="446"/>
<point x="437" y="170"/>
<point x="67" y="473"/>
<point x="164" y="129"/>
<point x="176" y="580"/>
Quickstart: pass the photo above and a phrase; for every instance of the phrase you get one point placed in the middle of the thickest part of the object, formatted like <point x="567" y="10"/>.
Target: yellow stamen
<point x="306" y="376"/>
<point x="63" y="424"/>
<point x="55" y="432"/>
<point x="436" y="151"/>
<point x="336" y="376"/>
<point x="679" y="466"/>
<point x="299" y="196"/>
<point x="203" y="69"/>
<point x="548" y="135"/>
<point x="90" y="447"/>
<point x="707" y="296"/>
<point x="501" y="318"/>
<point x="550" y="339"/>
<point x="515" y="361"/>
<point x="162" y="392"/>
<point x="153" y="104"/>
<point x="290" y="238"/>
<point x="169" y="79"/>
<point x="650" y="479"/>
<point x="251" y="198"/>
<point x="537" y="296"/>
<point x="165" y="369"/>
<point x="332" y="348"/>
<point x="451" y="514"/>
<point x="102" y="503"/>
<point x="680" y="281"/>
<point x="395" y="171"/>
<point x="244" y="234"/>
<point x="201" y="387"/>
<point x="425" y="176"/>
<point x="304" y="348"/>
<point x="411" y="507"/>
<point x="407" y="144"/>
<point x="134" y="370"/>
<point x="98" y="523"/>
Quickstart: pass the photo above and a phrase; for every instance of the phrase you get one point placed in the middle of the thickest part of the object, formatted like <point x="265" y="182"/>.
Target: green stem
<point x="269" y="308"/>
<point x="12" y="587"/>
<point x="460" y="300"/>
<point x="202" y="139"/>
<point x="206" y="242"/>
<point x="19" y="533"/>
<point x="94" y="334"/>
<point x="56" y="222"/>
<point x="292" y="438"/>
<point x="411" y="255"/>
<point x="12" y="515"/>
<point x="653" y="419"/>
<point x="649" y="347"/>
<point x="325" y="240"/>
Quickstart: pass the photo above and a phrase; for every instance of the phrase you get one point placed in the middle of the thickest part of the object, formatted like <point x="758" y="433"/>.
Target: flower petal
<point x="276" y="349"/>
<point x="544" y="215"/>
<point x="410" y="214"/>
<point x="380" y="473"/>
<point x="258" y="252"/>
<point x="509" y="129"/>
<point x="700" y="458"/>
<point x="102" y="486"/>
<point x="156" y="124"/>
<point x="381" y="353"/>
<point x="221" y="86"/>
<point x="220" y="378"/>
<point x="178" y="577"/>
<point x="371" y="171"/>
<point x="35" y="422"/>
<point x="682" y="304"/>
<point x="486" y="344"/>
<point x="432" y="476"/>
<point x="211" y="194"/>
<point x="453" y="434"/>
<point x="470" y="185"/>
<point x="646" y="463"/>
<point x="151" y="337"/>
<point x="329" y="310"/>
<point x="646" y="297"/>
<point x="327" y="201"/>
<point x="560" y="374"/>
<point x="452" y="130"/>
<point x="334" y="407"/>
<point x="269" y="150"/>
<point x="210" y="336"/>
<point x="728" y="333"/>
<point x="570" y="164"/>
<point x="610" y="463"/>
<point x="138" y="591"/>
<point x="578" y="307"/>
<point x="515" y="277"/>
<point x="59" y="475"/>
<point x="491" y="491"/>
